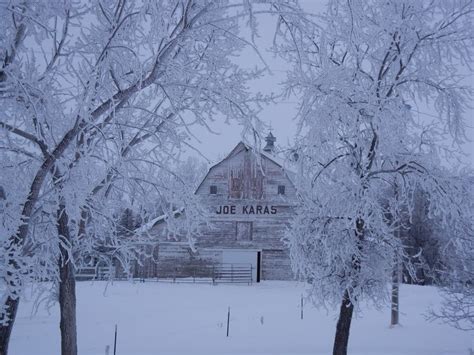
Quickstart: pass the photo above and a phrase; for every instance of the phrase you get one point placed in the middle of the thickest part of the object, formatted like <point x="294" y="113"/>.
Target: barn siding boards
<point x="276" y="264"/>
<point x="246" y="212"/>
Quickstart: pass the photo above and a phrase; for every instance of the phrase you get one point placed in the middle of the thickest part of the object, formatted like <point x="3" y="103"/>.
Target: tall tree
<point x="94" y="96"/>
<point x="362" y="73"/>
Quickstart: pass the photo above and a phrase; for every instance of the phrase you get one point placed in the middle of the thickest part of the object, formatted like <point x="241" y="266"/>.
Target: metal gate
<point x="233" y="273"/>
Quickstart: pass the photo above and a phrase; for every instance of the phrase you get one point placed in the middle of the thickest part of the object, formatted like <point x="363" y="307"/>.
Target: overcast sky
<point x="281" y="115"/>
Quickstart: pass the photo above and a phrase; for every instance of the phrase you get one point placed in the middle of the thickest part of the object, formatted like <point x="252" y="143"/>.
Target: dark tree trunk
<point x="394" y="314"/>
<point x="67" y="290"/>
<point x="395" y="294"/>
<point x="6" y="330"/>
<point x="343" y="327"/>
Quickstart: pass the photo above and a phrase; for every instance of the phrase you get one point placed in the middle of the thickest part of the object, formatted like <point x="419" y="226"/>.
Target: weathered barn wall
<point x="276" y="265"/>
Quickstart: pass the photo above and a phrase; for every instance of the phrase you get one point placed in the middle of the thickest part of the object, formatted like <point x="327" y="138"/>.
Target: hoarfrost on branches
<point x="98" y="101"/>
<point x="362" y="73"/>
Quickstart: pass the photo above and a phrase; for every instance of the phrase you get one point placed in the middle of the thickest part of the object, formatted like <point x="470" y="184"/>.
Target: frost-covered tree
<point x="457" y="271"/>
<point x="362" y="74"/>
<point x="97" y="98"/>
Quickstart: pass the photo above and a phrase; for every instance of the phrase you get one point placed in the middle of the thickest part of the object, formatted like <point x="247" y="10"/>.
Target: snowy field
<point x="159" y="318"/>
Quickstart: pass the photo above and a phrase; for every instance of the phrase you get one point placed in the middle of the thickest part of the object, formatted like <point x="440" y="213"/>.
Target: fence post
<point x="115" y="340"/>
<point x="228" y="320"/>
<point x="301" y="306"/>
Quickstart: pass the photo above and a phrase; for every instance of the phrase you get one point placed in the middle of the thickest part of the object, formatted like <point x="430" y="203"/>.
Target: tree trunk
<point x="394" y="314"/>
<point x="343" y="326"/>
<point x="395" y="294"/>
<point x="67" y="289"/>
<point x="11" y="306"/>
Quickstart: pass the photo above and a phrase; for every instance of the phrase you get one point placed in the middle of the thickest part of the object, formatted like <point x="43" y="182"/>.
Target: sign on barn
<point x="246" y="209"/>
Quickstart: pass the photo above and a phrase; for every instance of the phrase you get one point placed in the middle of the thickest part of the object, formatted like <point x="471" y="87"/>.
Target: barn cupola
<point x="270" y="146"/>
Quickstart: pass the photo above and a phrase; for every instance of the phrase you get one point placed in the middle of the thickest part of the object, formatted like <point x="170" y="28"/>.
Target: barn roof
<point x="241" y="146"/>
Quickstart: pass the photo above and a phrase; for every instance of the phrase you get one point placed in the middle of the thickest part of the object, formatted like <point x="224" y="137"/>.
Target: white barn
<point x="250" y="197"/>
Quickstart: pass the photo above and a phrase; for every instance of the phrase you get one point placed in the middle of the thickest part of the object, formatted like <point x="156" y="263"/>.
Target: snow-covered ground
<point x="159" y="318"/>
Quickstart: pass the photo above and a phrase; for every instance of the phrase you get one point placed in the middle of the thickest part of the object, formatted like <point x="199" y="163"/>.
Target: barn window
<point x="213" y="190"/>
<point x="281" y="189"/>
<point x="244" y="231"/>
